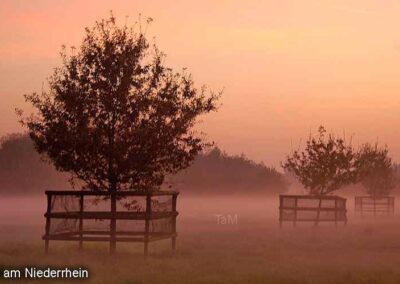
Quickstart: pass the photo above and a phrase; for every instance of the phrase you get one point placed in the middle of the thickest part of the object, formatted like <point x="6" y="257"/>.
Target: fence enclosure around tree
<point x="310" y="208"/>
<point x="383" y="205"/>
<point x="87" y="216"/>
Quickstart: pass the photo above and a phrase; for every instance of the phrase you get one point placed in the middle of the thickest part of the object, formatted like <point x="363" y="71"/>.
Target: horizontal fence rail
<point x="88" y="216"/>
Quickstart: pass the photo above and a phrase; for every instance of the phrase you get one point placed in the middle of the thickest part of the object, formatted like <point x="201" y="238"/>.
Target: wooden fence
<point x="309" y="208"/>
<point x="86" y="216"/>
<point x="374" y="205"/>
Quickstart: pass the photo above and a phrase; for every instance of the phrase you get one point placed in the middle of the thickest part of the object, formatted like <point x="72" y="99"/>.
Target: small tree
<point x="115" y="116"/>
<point x="325" y="165"/>
<point x="375" y="170"/>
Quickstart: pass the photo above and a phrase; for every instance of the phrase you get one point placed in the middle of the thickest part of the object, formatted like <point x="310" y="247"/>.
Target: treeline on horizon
<point x="216" y="171"/>
<point x="22" y="171"/>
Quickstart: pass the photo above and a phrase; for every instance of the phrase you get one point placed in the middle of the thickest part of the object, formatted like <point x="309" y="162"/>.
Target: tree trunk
<point x="113" y="191"/>
<point x="113" y="222"/>
<point x="318" y="211"/>
<point x="319" y="208"/>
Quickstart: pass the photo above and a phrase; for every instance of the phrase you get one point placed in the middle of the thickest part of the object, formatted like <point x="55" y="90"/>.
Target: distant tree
<point x="115" y="116"/>
<point x="375" y="170"/>
<point x="325" y="165"/>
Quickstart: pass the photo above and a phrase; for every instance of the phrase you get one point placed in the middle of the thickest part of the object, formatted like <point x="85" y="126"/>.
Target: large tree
<point x="115" y="116"/>
<point x="326" y="164"/>
<point x="375" y="170"/>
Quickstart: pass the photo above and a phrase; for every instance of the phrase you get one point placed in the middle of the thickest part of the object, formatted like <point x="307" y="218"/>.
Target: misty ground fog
<point x="197" y="210"/>
<point x="253" y="249"/>
<point x="196" y="214"/>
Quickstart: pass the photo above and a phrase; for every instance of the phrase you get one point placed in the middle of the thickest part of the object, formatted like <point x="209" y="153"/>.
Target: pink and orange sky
<point x="286" y="66"/>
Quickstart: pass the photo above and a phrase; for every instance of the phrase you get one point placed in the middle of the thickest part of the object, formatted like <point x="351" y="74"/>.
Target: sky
<point x="286" y="67"/>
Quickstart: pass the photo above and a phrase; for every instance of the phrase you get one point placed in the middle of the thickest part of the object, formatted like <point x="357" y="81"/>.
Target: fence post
<point x="173" y="239"/>
<point x="356" y="209"/>
<point x="113" y="222"/>
<point x="336" y="209"/>
<point x="80" y="220"/>
<point x="280" y="210"/>
<point x="388" y="206"/>
<point x="147" y="224"/>
<point x="47" y="228"/>
<point x="295" y="211"/>
<point x="393" y="205"/>
<point x="318" y="211"/>
<point x="374" y="205"/>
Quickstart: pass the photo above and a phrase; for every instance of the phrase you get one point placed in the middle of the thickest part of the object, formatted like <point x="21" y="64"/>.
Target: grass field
<point x="253" y="250"/>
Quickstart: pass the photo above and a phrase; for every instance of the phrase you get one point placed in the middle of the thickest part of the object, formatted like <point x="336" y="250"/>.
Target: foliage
<point x="21" y="169"/>
<point x="375" y="170"/>
<point x="218" y="172"/>
<point x="325" y="165"/>
<point x="115" y="116"/>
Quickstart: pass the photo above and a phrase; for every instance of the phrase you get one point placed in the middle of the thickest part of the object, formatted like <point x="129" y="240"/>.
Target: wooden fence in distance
<point x="370" y="205"/>
<point x="310" y="208"/>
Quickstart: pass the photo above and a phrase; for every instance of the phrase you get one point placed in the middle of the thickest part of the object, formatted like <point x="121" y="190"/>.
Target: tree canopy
<point x="115" y="116"/>
<point x="375" y="170"/>
<point x="326" y="164"/>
